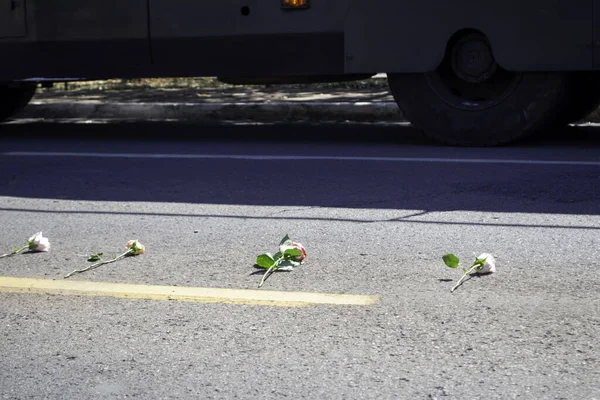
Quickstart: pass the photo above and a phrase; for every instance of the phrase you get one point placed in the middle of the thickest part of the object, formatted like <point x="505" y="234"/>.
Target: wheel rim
<point x="469" y="77"/>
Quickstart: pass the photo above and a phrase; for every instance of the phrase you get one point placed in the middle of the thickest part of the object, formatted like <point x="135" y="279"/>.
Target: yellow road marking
<point x="180" y="293"/>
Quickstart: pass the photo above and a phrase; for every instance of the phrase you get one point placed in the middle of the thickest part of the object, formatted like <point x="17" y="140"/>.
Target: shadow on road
<point x="564" y="189"/>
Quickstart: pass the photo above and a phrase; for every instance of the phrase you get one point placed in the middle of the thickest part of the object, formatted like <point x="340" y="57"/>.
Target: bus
<point x="464" y="72"/>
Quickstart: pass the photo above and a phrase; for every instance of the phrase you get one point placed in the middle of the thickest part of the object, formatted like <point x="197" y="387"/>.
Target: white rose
<point x="490" y="263"/>
<point x="39" y="243"/>
<point x="136" y="246"/>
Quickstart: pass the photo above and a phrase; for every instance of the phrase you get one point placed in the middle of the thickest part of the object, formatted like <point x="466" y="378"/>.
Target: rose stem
<point x="463" y="277"/>
<point x="96" y="265"/>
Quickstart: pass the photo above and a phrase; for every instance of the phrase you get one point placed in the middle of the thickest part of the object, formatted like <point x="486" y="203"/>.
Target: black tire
<point x="471" y="101"/>
<point x="13" y="98"/>
<point x="529" y="108"/>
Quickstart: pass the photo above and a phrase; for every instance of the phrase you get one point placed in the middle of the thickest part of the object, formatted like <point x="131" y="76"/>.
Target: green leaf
<point x="265" y="261"/>
<point x="286" y="244"/>
<point x="285" y="247"/>
<point x="450" y="260"/>
<point x="95" y="257"/>
<point x="287" y="265"/>
<point x="293" y="252"/>
<point x="285" y="239"/>
<point x="15" y="249"/>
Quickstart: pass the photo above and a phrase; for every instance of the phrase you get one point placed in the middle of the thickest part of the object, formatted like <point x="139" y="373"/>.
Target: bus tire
<point x="469" y="100"/>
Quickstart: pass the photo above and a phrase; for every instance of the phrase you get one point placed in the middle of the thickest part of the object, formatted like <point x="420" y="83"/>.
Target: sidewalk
<point x="364" y="101"/>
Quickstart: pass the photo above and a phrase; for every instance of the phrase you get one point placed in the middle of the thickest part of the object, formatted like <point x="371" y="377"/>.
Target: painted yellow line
<point x="180" y="293"/>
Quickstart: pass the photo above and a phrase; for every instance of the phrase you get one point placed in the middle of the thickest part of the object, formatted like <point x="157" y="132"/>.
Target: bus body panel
<point x="135" y="38"/>
<point x="411" y="36"/>
<point x="596" y="39"/>
<point x="12" y="19"/>
<point x="248" y="37"/>
<point x="78" y="38"/>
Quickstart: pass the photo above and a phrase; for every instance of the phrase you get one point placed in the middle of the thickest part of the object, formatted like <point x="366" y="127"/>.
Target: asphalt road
<point x="376" y="207"/>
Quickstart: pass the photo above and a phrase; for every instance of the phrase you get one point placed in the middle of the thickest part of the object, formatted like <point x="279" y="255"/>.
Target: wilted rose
<point x="299" y="246"/>
<point x="136" y="247"/>
<point x="38" y="243"/>
<point x="490" y="263"/>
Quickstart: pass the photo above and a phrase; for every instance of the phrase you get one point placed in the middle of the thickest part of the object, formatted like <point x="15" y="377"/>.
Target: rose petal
<point x="35" y="237"/>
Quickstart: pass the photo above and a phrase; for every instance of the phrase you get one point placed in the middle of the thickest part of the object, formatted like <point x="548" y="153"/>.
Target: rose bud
<point x="490" y="264"/>
<point x="136" y="246"/>
<point x="302" y="249"/>
<point x="38" y="243"/>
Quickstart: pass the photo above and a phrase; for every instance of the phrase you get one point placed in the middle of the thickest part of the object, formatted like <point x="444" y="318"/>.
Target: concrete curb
<point x="267" y="112"/>
<point x="261" y="112"/>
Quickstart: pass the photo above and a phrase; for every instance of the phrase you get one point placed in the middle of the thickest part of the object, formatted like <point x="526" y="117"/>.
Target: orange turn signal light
<point x="294" y="4"/>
